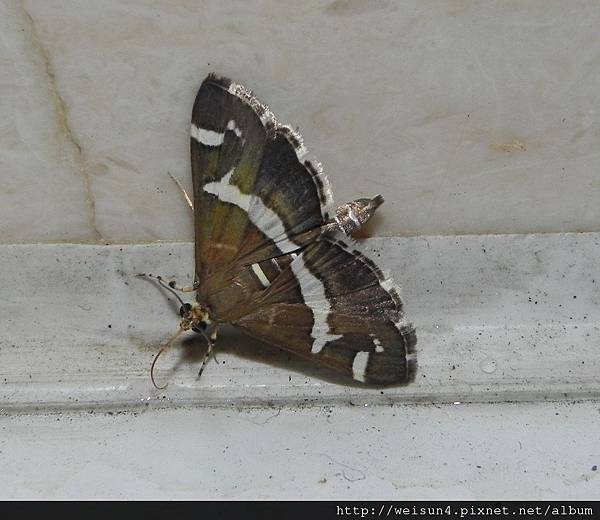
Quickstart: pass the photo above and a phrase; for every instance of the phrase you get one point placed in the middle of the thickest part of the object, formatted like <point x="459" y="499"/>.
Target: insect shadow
<point x="231" y="341"/>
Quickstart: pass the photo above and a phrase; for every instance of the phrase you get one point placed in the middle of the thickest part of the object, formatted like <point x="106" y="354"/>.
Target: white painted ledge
<point x="499" y="318"/>
<point x="504" y="451"/>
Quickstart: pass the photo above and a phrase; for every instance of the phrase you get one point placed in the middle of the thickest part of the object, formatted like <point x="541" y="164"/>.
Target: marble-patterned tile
<point x="46" y="192"/>
<point x="470" y="117"/>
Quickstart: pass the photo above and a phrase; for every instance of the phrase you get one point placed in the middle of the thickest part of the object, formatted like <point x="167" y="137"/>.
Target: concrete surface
<point x="494" y="452"/>
<point x="499" y="318"/>
<point x="470" y="116"/>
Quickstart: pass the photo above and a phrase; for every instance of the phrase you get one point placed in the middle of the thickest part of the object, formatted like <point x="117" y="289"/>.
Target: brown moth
<point x="274" y="257"/>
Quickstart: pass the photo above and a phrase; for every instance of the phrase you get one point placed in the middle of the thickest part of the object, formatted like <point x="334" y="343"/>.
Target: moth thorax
<point x="352" y="215"/>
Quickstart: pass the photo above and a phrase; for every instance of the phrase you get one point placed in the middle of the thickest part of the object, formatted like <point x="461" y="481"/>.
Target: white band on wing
<point x="207" y="137"/>
<point x="313" y="294"/>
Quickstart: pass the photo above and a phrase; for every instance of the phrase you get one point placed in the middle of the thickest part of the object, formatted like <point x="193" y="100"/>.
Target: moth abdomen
<point x="353" y="215"/>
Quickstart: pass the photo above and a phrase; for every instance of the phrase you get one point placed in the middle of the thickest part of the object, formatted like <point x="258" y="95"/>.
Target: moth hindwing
<point x="274" y="257"/>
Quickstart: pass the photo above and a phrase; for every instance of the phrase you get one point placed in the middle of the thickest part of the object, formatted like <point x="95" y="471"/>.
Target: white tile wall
<point x="471" y="117"/>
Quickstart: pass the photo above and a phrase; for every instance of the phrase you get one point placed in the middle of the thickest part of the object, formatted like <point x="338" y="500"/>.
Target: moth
<point x="274" y="257"/>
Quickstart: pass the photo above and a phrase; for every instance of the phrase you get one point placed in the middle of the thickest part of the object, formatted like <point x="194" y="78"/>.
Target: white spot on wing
<point x="313" y="294"/>
<point x="260" y="215"/>
<point x="231" y="125"/>
<point x="378" y="345"/>
<point x="207" y="137"/>
<point x="359" y="365"/>
<point x="276" y="264"/>
<point x="260" y="275"/>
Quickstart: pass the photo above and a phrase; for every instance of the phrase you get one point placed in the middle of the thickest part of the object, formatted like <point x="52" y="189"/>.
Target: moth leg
<point x="209" y="350"/>
<point x="213" y="338"/>
<point x="182" y="189"/>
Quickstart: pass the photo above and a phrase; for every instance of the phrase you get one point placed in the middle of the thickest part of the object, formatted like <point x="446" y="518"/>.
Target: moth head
<point x="197" y="318"/>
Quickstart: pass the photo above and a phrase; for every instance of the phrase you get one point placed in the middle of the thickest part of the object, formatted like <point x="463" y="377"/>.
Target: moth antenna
<point x="163" y="284"/>
<point x="185" y="195"/>
<point x="169" y="288"/>
<point x="162" y="349"/>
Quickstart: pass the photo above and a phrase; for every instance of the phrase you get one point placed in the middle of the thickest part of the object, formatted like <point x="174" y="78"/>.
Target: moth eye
<point x="185" y="309"/>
